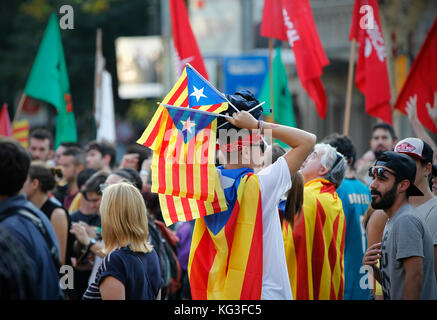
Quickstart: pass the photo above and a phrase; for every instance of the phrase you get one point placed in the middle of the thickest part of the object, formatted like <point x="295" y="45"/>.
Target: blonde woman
<point x="130" y="270"/>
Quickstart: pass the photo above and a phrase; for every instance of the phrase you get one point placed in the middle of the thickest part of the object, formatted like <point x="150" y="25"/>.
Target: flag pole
<point x="97" y="68"/>
<point x="349" y="88"/>
<point x="20" y="107"/>
<point x="272" y="100"/>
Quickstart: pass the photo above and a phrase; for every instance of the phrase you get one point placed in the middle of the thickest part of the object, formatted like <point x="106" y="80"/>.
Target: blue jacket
<point x="34" y="244"/>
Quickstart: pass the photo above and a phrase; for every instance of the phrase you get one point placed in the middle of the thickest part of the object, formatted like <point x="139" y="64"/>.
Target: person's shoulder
<point x="410" y="216"/>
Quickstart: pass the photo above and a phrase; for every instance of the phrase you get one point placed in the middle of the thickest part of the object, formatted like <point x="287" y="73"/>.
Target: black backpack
<point x="157" y="241"/>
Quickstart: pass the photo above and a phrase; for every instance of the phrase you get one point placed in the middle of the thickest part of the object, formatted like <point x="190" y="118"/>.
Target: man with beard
<point x="383" y="139"/>
<point x="406" y="251"/>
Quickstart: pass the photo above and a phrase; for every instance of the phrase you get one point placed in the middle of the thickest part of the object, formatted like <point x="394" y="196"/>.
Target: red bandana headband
<point x="238" y="144"/>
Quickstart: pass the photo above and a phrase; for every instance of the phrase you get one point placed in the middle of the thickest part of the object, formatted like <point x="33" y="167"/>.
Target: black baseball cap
<point x="403" y="166"/>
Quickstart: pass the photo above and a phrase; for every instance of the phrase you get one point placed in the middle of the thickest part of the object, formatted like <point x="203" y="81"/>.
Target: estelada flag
<point x="296" y="25"/>
<point x="5" y="122"/>
<point x="371" y="74"/>
<point x="226" y="255"/>
<point x="185" y="44"/>
<point x="183" y="144"/>
<point x="422" y="80"/>
<point x="314" y="247"/>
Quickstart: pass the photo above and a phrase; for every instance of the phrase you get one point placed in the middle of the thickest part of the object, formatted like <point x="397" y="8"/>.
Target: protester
<point x="79" y="203"/>
<point x="322" y="221"/>
<point x="406" y="252"/>
<point x="266" y="186"/>
<point x="134" y="157"/>
<point x="426" y="205"/>
<point x="294" y="201"/>
<point x="374" y="224"/>
<point x="39" y="182"/>
<point x="355" y="197"/>
<point x="130" y="270"/>
<point x="383" y="139"/>
<point x="40" y="144"/>
<point x="433" y="183"/>
<point x="16" y="282"/>
<point x="100" y="156"/>
<point x="72" y="162"/>
<point x="83" y="257"/>
<point x="418" y="128"/>
<point x="26" y="223"/>
<point x="63" y="146"/>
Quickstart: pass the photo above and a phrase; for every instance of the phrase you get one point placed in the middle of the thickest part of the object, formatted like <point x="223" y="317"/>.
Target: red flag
<point x="293" y="21"/>
<point x="371" y="75"/>
<point x="5" y="122"/>
<point x="272" y="25"/>
<point x="422" y="80"/>
<point x="187" y="50"/>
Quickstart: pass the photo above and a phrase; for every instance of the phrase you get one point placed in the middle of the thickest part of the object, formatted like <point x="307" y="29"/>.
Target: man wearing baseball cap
<point x="406" y="251"/>
<point x="422" y="155"/>
<point x="433" y="183"/>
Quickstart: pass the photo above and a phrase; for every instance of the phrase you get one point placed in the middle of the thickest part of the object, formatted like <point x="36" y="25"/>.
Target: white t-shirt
<point x="274" y="181"/>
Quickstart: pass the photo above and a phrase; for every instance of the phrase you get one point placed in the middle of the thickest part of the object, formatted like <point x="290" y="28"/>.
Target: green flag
<point x="48" y="81"/>
<point x="283" y="112"/>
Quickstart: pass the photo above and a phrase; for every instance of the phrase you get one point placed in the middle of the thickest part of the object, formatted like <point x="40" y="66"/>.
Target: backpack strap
<point x="36" y="221"/>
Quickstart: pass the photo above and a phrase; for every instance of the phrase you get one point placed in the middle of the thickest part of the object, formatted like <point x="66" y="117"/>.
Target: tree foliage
<point x="22" y="24"/>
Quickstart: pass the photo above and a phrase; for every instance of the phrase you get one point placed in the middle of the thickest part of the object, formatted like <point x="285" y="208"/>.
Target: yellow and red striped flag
<point x="314" y="247"/>
<point x="20" y="132"/>
<point x="183" y="144"/>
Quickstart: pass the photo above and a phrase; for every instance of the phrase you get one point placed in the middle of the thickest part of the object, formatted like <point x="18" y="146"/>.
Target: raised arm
<point x="300" y="141"/>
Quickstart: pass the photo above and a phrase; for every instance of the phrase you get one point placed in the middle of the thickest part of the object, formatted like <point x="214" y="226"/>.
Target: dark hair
<point x="134" y="178"/>
<point x="105" y="148"/>
<point x="84" y="175"/>
<point x="277" y="151"/>
<point x="70" y="144"/>
<point x="17" y="281"/>
<point x="386" y="127"/>
<point x="143" y="152"/>
<point x="294" y="202"/>
<point x="41" y="134"/>
<point x="14" y="166"/>
<point x="77" y="153"/>
<point x="93" y="183"/>
<point x="45" y="176"/>
<point x="344" y="145"/>
<point x="243" y="100"/>
<point x="151" y="200"/>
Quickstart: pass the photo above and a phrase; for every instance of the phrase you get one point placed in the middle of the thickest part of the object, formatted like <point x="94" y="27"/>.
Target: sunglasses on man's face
<point x="379" y="172"/>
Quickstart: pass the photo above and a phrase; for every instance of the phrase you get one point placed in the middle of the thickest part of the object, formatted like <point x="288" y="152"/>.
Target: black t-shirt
<point x="139" y="272"/>
<point x="90" y="219"/>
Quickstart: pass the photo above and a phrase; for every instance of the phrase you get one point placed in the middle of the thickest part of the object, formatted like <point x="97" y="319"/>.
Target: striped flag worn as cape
<point x="226" y="256"/>
<point x="183" y="144"/>
<point x="314" y="248"/>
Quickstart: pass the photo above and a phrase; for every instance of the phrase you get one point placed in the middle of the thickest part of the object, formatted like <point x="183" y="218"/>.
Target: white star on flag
<point x="188" y="125"/>
<point x="198" y="93"/>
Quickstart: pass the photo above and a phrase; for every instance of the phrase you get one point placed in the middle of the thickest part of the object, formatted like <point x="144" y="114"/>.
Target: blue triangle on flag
<point x="189" y="122"/>
<point x="200" y="92"/>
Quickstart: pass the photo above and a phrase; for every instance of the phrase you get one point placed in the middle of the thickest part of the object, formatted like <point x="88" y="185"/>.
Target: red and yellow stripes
<point x="183" y="174"/>
<point x="314" y="248"/>
<point x="20" y="132"/>
<point x="228" y="265"/>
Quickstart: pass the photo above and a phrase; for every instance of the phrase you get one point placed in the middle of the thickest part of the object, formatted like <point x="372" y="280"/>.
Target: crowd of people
<point x="334" y="226"/>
